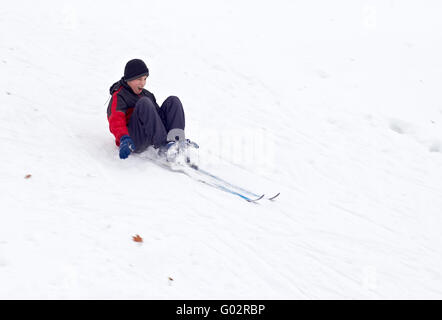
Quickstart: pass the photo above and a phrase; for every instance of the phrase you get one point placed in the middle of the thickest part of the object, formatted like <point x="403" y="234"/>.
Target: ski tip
<point x="257" y="199"/>
<point x="275" y="196"/>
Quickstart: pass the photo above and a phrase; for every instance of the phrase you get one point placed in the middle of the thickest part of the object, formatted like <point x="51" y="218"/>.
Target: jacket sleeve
<point x="117" y="117"/>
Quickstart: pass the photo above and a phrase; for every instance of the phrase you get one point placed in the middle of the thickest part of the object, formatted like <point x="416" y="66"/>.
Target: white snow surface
<point x="335" y="104"/>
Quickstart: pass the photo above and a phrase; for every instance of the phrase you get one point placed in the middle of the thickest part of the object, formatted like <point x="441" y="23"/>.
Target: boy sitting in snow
<point x="136" y="120"/>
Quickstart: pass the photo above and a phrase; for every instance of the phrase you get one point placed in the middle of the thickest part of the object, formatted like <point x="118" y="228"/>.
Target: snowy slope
<point x="335" y="105"/>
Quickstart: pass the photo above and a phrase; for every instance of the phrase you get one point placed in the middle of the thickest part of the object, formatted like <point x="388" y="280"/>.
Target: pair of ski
<point x="231" y="188"/>
<point x="207" y="178"/>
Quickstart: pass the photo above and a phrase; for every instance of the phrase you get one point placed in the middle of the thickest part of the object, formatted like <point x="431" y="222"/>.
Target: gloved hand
<point x="126" y="146"/>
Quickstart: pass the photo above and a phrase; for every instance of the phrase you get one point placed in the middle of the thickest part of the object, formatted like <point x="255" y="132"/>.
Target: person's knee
<point x="145" y="105"/>
<point x="174" y="100"/>
<point x="173" y="103"/>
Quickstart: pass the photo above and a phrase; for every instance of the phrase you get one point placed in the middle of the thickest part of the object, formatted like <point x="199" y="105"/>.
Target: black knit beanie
<point x="134" y="69"/>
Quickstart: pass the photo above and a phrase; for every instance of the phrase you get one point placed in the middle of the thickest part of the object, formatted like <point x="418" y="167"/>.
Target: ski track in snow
<point x="306" y="105"/>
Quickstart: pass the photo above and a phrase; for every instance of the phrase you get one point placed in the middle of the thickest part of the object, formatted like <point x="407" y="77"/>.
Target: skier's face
<point x="138" y="84"/>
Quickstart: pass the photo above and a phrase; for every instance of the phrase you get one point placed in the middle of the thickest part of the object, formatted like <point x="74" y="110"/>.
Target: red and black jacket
<point x="121" y="106"/>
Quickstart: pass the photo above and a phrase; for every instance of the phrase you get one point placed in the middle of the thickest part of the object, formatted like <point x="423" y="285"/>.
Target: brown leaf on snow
<point x="137" y="238"/>
<point x="28" y="176"/>
<point x="170" y="278"/>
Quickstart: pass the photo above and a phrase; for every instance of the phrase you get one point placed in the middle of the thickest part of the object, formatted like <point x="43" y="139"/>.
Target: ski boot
<point x="179" y="152"/>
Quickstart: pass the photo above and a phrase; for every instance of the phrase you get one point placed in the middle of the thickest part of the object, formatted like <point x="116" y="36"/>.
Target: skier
<point x="137" y="122"/>
<point x="135" y="118"/>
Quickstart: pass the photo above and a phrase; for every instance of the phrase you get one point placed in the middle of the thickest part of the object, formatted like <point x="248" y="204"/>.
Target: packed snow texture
<point x="335" y="104"/>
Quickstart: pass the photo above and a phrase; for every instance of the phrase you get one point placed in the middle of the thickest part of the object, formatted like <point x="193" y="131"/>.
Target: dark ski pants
<point x="149" y="125"/>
